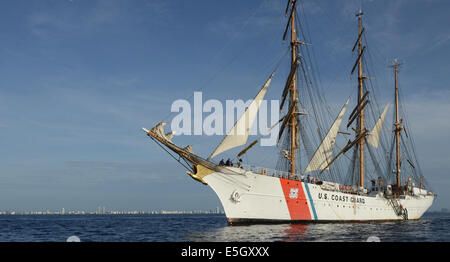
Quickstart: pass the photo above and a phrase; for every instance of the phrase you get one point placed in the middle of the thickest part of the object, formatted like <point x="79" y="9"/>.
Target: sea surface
<point x="209" y="228"/>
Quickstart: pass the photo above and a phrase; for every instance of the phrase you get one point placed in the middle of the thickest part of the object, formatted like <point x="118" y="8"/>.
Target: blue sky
<point x="79" y="78"/>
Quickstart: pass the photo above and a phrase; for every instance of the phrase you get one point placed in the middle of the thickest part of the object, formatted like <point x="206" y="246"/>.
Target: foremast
<point x="293" y="90"/>
<point x="291" y="86"/>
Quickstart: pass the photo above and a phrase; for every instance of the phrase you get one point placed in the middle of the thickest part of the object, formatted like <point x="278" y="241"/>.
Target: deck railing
<point x="274" y="173"/>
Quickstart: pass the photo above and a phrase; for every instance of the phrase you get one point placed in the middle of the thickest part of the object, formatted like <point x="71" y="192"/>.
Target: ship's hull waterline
<point x="250" y="197"/>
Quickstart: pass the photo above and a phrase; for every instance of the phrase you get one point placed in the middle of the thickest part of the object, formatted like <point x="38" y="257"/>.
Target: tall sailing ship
<point x="321" y="191"/>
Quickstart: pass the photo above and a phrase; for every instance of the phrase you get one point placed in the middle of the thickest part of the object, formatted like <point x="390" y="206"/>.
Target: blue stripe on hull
<point x="311" y="201"/>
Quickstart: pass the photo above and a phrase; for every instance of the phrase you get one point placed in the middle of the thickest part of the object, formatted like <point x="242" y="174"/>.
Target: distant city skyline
<point x="104" y="211"/>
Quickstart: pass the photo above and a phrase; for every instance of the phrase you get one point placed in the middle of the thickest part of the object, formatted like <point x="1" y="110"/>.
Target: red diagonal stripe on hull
<point x="298" y="207"/>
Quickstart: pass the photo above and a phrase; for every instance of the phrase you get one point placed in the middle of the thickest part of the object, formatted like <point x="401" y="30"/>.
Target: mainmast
<point x="398" y="126"/>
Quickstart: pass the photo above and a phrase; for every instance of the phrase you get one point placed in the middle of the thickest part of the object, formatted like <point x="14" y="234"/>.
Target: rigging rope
<point x="168" y="152"/>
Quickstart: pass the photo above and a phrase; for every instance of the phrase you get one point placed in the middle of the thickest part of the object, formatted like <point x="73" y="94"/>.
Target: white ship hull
<point x="252" y="197"/>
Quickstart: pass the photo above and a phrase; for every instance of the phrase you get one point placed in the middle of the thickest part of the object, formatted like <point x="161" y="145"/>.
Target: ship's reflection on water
<point x="271" y="232"/>
<point x="295" y="232"/>
<point x="214" y="228"/>
<point x="322" y="232"/>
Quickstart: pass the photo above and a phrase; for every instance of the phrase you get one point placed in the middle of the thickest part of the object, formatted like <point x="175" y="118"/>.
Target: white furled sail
<point x="324" y="152"/>
<point x="238" y="135"/>
<point x="159" y="129"/>
<point x="374" y="137"/>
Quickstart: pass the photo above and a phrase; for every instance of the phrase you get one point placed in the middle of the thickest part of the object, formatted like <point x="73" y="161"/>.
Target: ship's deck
<point x="312" y="180"/>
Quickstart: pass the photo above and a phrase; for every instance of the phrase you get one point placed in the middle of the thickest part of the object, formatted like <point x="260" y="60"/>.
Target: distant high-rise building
<point x="63" y="211"/>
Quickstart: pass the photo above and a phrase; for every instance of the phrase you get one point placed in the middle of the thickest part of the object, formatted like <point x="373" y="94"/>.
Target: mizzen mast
<point x="398" y="127"/>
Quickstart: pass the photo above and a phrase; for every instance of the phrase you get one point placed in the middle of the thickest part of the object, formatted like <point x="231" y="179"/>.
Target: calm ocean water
<point x="181" y="228"/>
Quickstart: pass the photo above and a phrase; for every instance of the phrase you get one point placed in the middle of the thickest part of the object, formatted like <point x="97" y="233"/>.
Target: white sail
<point x="238" y="135"/>
<point x="374" y="137"/>
<point x="324" y="152"/>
